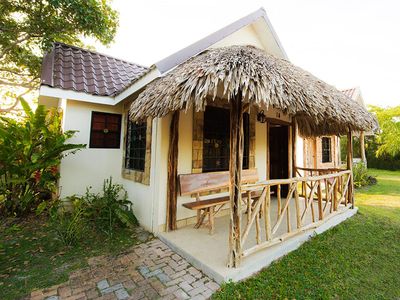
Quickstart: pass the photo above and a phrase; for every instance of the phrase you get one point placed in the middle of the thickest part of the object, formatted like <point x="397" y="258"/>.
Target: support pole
<point x="350" y="167"/>
<point x="268" y="153"/>
<point x="294" y="141"/>
<point x="362" y="148"/>
<point x="172" y="186"/>
<point x="235" y="175"/>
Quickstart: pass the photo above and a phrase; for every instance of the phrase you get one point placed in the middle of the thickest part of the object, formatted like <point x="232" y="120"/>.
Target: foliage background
<point x="28" y="29"/>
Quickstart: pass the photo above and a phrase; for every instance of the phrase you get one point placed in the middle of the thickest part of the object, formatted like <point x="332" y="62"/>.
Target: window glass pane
<point x="135" y="151"/>
<point x="326" y="150"/>
<point x="216" y="138"/>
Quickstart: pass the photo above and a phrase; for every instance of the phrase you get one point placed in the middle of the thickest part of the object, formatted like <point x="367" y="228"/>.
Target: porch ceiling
<point x="261" y="80"/>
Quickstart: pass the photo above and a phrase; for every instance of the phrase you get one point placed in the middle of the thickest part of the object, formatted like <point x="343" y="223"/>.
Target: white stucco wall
<point x="161" y="170"/>
<point x="141" y="195"/>
<point x="90" y="166"/>
<point x="300" y="152"/>
<point x="244" y="36"/>
<point x="261" y="150"/>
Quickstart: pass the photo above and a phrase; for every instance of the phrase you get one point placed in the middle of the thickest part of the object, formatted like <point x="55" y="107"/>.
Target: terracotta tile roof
<point x="72" y="68"/>
<point x="350" y="92"/>
<point x="354" y="94"/>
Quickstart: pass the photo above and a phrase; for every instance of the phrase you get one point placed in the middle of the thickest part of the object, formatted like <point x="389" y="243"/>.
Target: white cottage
<point x="177" y="167"/>
<point x="95" y="90"/>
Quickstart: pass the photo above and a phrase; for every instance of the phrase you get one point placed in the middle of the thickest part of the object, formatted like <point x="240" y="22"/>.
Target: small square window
<point x="105" y="131"/>
<point x="135" y="151"/>
<point x="326" y="150"/>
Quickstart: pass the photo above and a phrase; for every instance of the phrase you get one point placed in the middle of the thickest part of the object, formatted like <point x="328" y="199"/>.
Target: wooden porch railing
<point x="322" y="195"/>
<point x="308" y="172"/>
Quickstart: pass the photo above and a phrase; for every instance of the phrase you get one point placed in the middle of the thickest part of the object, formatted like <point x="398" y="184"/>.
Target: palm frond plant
<point x="31" y="149"/>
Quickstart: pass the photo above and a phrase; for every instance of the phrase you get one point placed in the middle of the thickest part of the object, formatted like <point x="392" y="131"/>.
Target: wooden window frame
<point x="323" y="150"/>
<point x="91" y="143"/>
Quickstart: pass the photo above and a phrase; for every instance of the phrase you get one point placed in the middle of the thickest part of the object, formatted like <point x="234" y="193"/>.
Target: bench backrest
<point x="203" y="182"/>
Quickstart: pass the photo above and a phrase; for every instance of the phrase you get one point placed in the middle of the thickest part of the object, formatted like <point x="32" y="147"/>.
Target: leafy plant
<point x="103" y="212"/>
<point x="31" y="149"/>
<point x="361" y="177"/>
<point x="68" y="224"/>
<point x="109" y="209"/>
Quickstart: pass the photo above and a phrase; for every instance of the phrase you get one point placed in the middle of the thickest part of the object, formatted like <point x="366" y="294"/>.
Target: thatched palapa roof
<point x="263" y="81"/>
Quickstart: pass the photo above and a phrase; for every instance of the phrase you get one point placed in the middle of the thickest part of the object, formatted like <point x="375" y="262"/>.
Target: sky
<point x="346" y="43"/>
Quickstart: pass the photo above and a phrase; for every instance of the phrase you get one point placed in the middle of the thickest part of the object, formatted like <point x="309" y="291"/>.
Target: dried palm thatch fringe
<point x="264" y="80"/>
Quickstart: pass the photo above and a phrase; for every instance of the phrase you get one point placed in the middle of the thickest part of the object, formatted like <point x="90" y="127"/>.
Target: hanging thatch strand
<point x="264" y="81"/>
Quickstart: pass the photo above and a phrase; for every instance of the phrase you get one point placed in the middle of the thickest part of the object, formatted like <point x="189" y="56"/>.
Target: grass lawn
<point x="32" y="257"/>
<point x="359" y="259"/>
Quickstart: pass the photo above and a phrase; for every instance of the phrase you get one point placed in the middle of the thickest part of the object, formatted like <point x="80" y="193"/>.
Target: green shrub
<point x="110" y="209"/>
<point x="361" y="177"/>
<point x="104" y="212"/>
<point x="69" y="224"/>
<point x="30" y="151"/>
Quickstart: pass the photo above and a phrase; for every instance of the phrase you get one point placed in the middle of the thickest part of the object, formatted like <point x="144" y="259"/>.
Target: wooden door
<point x="279" y="153"/>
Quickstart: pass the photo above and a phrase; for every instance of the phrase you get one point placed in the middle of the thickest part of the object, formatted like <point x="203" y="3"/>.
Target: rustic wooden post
<point x="278" y="195"/>
<point x="235" y="174"/>
<point x="362" y="148"/>
<point x="267" y="214"/>
<point x="335" y="194"/>
<point x="172" y="185"/>
<point x="350" y="167"/>
<point x="320" y="210"/>
<point x="294" y="141"/>
<point x="298" y="216"/>
<point x="268" y="153"/>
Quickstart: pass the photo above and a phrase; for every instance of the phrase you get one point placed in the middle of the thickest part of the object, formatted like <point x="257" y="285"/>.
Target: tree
<point x="389" y="136"/>
<point x="28" y="29"/>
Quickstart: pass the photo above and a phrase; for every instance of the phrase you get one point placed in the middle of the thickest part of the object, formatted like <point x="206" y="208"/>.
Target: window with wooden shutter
<point x="105" y="131"/>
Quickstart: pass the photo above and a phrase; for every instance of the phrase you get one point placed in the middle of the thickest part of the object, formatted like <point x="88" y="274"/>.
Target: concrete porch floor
<point x="210" y="252"/>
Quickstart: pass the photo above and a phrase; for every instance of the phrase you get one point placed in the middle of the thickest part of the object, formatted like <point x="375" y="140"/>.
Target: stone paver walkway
<point x="150" y="270"/>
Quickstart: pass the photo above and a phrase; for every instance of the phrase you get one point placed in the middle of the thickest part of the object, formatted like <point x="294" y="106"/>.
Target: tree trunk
<point x="172" y="187"/>
<point x="362" y="148"/>
<point x="235" y="174"/>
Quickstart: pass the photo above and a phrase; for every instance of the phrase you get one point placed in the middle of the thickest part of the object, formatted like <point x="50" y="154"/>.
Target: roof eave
<point x="74" y="95"/>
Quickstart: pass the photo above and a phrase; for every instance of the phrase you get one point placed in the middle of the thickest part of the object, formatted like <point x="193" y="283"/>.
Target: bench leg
<point x="211" y="214"/>
<point x="202" y="216"/>
<point x="198" y="215"/>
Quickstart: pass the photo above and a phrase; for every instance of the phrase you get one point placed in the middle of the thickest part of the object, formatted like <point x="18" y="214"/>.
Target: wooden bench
<point x="195" y="184"/>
